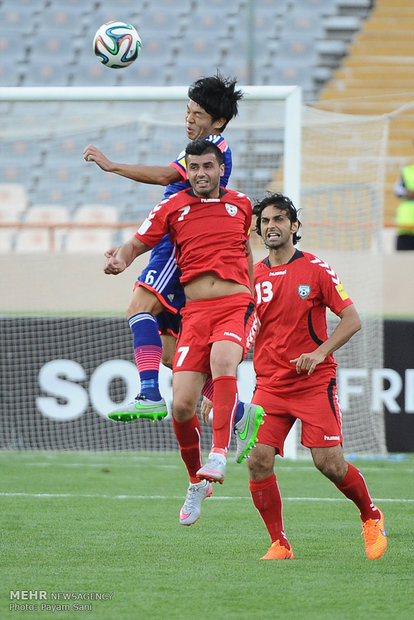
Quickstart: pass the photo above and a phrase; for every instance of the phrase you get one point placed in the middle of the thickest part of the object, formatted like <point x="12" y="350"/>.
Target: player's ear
<point x="219" y="124"/>
<point x="294" y="227"/>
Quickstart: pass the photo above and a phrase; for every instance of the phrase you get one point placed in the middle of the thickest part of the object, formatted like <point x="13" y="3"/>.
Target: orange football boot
<point x="375" y="536"/>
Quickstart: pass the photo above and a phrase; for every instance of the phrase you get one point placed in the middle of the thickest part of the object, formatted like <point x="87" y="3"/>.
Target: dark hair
<point x="280" y="202"/>
<point x="217" y="96"/>
<point x="201" y="146"/>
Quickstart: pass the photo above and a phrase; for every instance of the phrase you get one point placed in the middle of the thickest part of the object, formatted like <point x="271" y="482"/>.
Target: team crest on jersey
<point x="231" y="209"/>
<point x="304" y="291"/>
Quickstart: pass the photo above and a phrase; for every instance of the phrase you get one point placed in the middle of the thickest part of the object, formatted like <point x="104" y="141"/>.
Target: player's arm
<point x="154" y="175"/>
<point x="118" y="259"/>
<point x="251" y="265"/>
<point x="348" y="325"/>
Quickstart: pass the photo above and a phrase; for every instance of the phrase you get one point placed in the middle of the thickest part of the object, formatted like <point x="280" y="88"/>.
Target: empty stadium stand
<point x="50" y="43"/>
<point x="377" y="77"/>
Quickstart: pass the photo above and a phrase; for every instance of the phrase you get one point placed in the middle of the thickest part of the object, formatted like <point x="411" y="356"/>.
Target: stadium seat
<point x="320" y="7"/>
<point x="48" y="214"/>
<point x="46" y="44"/>
<point x="62" y="188"/>
<point x="307" y="23"/>
<point x="89" y="241"/>
<point x="13" y="201"/>
<point x="96" y="214"/>
<point x="11" y="46"/>
<point x="7" y="239"/>
<point x="151" y="71"/>
<point x="270" y="7"/>
<point x="33" y="240"/>
<point x="342" y="27"/>
<point x="18" y="17"/>
<point x="64" y="16"/>
<point x="46" y="72"/>
<point x="89" y="71"/>
<point x="109" y="190"/>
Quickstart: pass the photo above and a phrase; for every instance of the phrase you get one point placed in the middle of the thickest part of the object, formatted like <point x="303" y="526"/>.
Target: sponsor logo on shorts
<point x="331" y="437"/>
<point x="232" y="335"/>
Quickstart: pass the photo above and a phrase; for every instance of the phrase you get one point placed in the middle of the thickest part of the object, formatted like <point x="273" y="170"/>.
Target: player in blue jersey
<point x="153" y="313"/>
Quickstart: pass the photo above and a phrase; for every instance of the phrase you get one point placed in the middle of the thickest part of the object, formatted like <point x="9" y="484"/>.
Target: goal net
<point x="66" y="349"/>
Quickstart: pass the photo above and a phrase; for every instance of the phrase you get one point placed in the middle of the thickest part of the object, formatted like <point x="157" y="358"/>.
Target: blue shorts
<point x="162" y="277"/>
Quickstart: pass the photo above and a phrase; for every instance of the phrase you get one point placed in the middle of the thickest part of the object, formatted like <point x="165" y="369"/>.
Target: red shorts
<point x="205" y="321"/>
<point x="317" y="407"/>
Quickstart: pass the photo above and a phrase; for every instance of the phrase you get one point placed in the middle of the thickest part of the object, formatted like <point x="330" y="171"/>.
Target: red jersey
<point x="291" y="306"/>
<point x="209" y="234"/>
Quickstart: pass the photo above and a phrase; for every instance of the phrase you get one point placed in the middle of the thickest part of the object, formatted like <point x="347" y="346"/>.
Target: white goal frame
<point x="290" y="95"/>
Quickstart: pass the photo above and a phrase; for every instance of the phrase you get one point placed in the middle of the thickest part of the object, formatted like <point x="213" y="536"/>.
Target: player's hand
<point x="206" y="406"/>
<point x="113" y="265"/>
<point x="307" y="362"/>
<point x="111" y="252"/>
<point x="91" y="153"/>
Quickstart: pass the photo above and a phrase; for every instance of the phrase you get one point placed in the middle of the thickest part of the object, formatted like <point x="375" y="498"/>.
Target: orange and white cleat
<point x="375" y="536"/>
<point x="278" y="552"/>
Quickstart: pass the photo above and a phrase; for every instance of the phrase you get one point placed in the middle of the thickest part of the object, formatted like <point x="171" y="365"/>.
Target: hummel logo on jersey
<point x="231" y="209"/>
<point x="304" y="291"/>
<point x="277" y="273"/>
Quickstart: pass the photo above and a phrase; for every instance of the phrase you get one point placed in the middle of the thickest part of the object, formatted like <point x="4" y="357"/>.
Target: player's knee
<point x="168" y="349"/>
<point x="332" y="469"/>
<point x="183" y="409"/>
<point x="143" y="300"/>
<point x="260" y="464"/>
<point x="167" y="360"/>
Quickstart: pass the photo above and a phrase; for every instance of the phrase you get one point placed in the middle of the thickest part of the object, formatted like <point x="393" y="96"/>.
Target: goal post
<point x="67" y="352"/>
<point x="291" y="95"/>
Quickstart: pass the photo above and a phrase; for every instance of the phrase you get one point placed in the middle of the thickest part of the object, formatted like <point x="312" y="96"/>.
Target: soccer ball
<point x="117" y="44"/>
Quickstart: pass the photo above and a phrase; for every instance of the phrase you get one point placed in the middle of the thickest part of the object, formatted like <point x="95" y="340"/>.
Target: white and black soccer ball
<point x="117" y="44"/>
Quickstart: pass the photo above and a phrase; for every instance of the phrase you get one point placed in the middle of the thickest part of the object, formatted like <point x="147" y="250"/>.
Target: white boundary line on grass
<point x="283" y="468"/>
<point x="157" y="497"/>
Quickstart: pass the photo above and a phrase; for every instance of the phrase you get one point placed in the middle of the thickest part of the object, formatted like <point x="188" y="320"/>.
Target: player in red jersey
<point x="154" y="310"/>
<point x="210" y="228"/>
<point x="296" y="372"/>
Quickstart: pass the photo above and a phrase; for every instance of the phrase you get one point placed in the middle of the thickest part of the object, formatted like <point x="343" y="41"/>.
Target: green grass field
<point x="108" y="523"/>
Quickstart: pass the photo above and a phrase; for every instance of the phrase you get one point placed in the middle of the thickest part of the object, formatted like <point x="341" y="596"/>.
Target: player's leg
<point x="249" y="416"/>
<point x="224" y="358"/>
<point x="350" y="481"/>
<point x="263" y="483"/>
<point x="266" y="497"/>
<point x="157" y="292"/>
<point x="186" y="389"/>
<point x="141" y="313"/>
<point x="169" y="343"/>
<point x="232" y="319"/>
<point x="320" y="412"/>
<point x="247" y="420"/>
